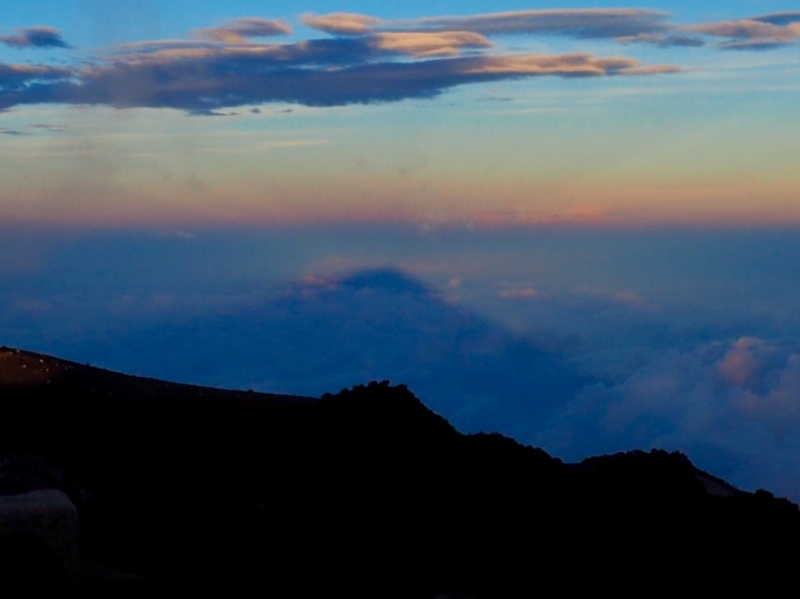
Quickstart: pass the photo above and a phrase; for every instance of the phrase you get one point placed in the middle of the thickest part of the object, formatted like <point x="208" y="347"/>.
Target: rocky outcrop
<point x="35" y="527"/>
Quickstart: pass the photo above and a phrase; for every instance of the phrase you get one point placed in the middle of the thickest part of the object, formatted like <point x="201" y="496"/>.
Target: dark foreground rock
<point x="366" y="493"/>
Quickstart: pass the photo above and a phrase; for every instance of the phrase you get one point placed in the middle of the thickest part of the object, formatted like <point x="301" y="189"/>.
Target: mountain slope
<point x="196" y="489"/>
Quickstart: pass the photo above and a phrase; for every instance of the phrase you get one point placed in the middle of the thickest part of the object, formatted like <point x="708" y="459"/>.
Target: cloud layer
<point x="324" y="73"/>
<point x="363" y="62"/>
<point x="360" y="59"/>
<point x="734" y="406"/>
<point x="625" y="25"/>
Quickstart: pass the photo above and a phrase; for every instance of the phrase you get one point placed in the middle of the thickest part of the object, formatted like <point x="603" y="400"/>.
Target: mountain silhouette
<point x="369" y="325"/>
<point x="364" y="493"/>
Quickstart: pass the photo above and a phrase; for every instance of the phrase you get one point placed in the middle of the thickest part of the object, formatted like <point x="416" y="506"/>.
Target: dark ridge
<point x="45" y="376"/>
<point x="363" y="493"/>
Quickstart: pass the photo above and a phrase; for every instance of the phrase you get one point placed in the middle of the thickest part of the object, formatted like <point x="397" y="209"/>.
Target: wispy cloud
<point x="580" y="23"/>
<point x="242" y="30"/>
<point x="628" y="26"/>
<point x="565" y="65"/>
<point x="663" y="41"/>
<point x="754" y="33"/>
<point x="421" y="44"/>
<point x="264" y="146"/>
<point x="15" y="78"/>
<point x="341" y="23"/>
<point x="48" y="127"/>
<point x="35" y="37"/>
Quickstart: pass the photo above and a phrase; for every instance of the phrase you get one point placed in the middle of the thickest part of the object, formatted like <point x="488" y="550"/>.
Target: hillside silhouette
<point x="362" y="493"/>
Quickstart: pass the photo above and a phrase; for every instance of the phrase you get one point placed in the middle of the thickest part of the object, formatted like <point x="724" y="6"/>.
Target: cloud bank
<point x="360" y="59"/>
<point x="366" y="60"/>
<point x="734" y="406"/>
<point x="382" y="67"/>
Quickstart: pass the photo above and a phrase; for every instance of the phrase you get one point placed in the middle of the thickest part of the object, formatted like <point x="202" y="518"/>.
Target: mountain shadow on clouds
<point x="384" y="279"/>
<point x="381" y="324"/>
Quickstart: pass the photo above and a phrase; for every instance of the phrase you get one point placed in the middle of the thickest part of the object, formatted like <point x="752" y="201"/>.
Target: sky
<point x="573" y="222"/>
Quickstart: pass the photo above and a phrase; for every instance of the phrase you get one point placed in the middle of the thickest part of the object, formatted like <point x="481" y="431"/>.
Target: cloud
<point x="625" y="26"/>
<point x="755" y="44"/>
<point x="49" y="127"/>
<point x="341" y="23"/>
<point x="754" y="33"/>
<point x="202" y="77"/>
<point x="240" y="31"/>
<point x="35" y="37"/>
<point x="17" y="77"/>
<point x="565" y="65"/>
<point x="421" y="44"/>
<point x="747" y="29"/>
<point x="580" y="23"/>
<point x="368" y="60"/>
<point x="663" y="41"/>
<point x="779" y="18"/>
<point x="733" y="406"/>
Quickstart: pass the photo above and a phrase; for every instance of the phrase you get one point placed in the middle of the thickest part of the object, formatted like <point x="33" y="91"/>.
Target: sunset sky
<point x="577" y="223"/>
<point x="118" y="114"/>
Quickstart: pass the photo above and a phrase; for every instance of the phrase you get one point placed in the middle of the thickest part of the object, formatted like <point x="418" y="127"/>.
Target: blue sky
<point x="575" y="223"/>
<point x="417" y="115"/>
